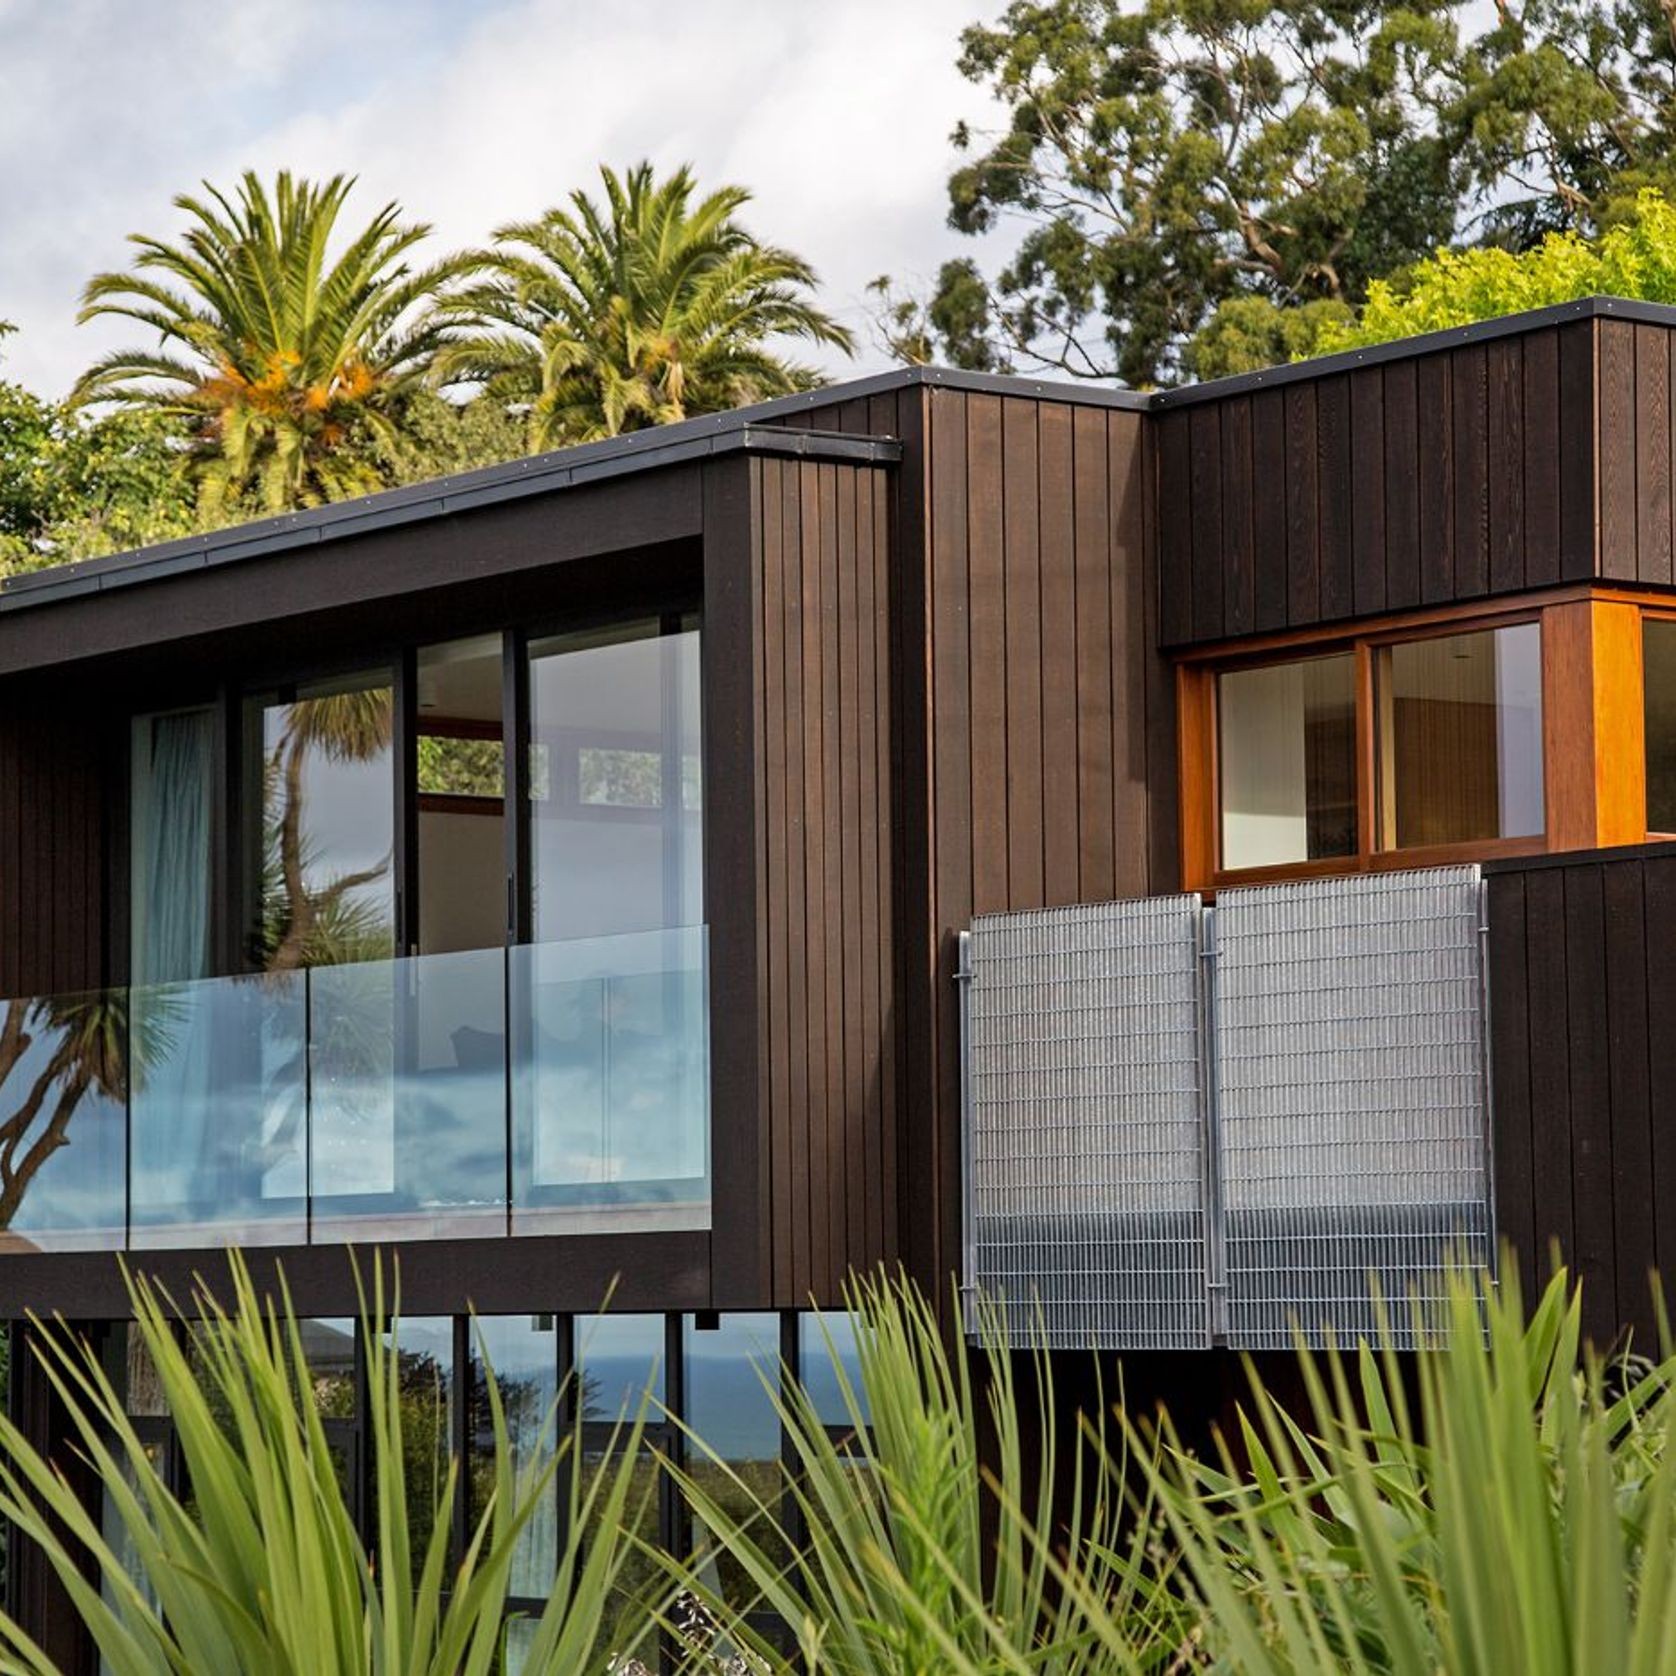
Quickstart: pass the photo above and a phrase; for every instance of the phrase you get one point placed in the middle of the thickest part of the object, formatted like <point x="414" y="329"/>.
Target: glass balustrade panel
<point x="63" y="1093"/>
<point x="408" y="1131"/>
<point x="610" y="1083"/>
<point x="219" y="1118"/>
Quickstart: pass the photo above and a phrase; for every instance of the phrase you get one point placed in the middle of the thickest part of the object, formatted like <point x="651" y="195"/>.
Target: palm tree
<point x="599" y="319"/>
<point x="286" y="365"/>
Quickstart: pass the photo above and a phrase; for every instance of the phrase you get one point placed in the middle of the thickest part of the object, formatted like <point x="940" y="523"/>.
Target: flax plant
<point x="261" y="1568"/>
<point x="1504" y="1506"/>
<point x="922" y="1542"/>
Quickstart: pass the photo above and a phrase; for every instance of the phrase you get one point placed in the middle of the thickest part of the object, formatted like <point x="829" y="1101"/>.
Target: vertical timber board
<point x="1367" y="528"/>
<point x="1652" y="454"/>
<point x="1659" y="911"/>
<point x="1540" y="435"/>
<point x="1512" y="1137"/>
<point x="1022" y="610"/>
<point x="1062" y="811"/>
<point x="1268" y="512"/>
<point x="1099" y="644"/>
<point x="1303" y="511"/>
<point x="1629" y="1094"/>
<point x="1505" y="461"/>
<point x="1469" y="396"/>
<point x="1579" y="451"/>
<point x="1402" y="486"/>
<point x="1336" y="492"/>
<point x="1174" y="523"/>
<point x="734" y="868"/>
<point x="1617" y="451"/>
<point x="1239" y="577"/>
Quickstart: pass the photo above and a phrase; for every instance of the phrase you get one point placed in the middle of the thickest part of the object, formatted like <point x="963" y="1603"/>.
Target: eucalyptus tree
<point x="652" y="305"/>
<point x="287" y="340"/>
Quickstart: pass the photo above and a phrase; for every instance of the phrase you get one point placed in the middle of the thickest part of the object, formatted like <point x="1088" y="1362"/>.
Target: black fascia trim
<point x="1428" y="343"/>
<point x="541" y="474"/>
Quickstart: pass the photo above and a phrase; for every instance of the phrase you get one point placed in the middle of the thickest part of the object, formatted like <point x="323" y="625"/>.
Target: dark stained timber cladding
<point x="1303" y="512"/>
<point x="1335" y="489"/>
<point x="1205" y="489"/>
<point x="1268" y="517"/>
<point x="1367" y="507"/>
<point x="1239" y="492"/>
<point x="1617" y="451"/>
<point x="1175" y="527"/>
<point x="1652" y="454"/>
<point x="57" y="759"/>
<point x="1582" y="957"/>
<point x="1506" y="464"/>
<point x="1469" y="394"/>
<point x="1540" y="475"/>
<point x="1579" y="452"/>
<point x="1402" y="486"/>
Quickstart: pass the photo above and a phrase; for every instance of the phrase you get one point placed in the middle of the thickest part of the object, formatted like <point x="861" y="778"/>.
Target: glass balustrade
<point x="552" y="1088"/>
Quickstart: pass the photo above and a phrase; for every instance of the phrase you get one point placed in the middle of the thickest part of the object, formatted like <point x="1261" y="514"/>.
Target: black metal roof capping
<point x="745" y="428"/>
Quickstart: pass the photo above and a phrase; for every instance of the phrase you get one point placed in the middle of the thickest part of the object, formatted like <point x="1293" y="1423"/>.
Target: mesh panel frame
<point x="1352" y="1103"/>
<point x="1085" y="1164"/>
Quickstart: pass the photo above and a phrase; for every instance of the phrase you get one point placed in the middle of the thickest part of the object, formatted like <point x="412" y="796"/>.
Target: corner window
<point x="1459" y="738"/>
<point x="1287" y="757"/>
<point x="1380" y="750"/>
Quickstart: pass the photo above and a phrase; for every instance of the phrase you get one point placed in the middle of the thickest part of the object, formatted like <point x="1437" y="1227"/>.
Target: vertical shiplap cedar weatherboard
<point x="1204" y="487"/>
<point x="735" y="888"/>
<point x="1617" y="451"/>
<point x="1505" y="442"/>
<point x="1579" y="452"/>
<point x="1303" y="510"/>
<point x="1172" y="437"/>
<point x="1652" y="454"/>
<point x="1022" y="608"/>
<point x="1401" y="384"/>
<point x="1469" y="396"/>
<point x="1097" y="635"/>
<point x="1268" y="516"/>
<point x="1334" y="492"/>
<point x="1591" y="1116"/>
<point x="1060" y="721"/>
<point x="1367" y="507"/>
<point x="1629" y="1091"/>
<point x="1582" y="956"/>
<point x="1540" y="480"/>
<point x="1239" y="576"/>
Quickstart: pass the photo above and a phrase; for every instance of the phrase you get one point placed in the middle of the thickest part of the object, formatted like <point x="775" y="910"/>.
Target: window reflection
<point x="1659" y="658"/>
<point x="615" y="747"/>
<point x="1287" y="762"/>
<point x="827" y="1361"/>
<point x="425" y="1377"/>
<point x="523" y="1352"/>
<point x="1459" y="731"/>
<point x="732" y="1374"/>
<point x="322" y="764"/>
<point x="63" y="1094"/>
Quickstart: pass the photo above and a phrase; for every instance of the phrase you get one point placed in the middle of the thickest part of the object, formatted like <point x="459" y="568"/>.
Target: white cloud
<point x="837" y="116"/>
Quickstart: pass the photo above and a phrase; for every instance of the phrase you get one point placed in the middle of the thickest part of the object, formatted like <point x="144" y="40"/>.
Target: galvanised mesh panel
<point x="1352" y="1110"/>
<point x="1085" y="1190"/>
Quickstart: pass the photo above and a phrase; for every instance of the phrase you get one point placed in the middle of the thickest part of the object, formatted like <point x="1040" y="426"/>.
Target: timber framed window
<point x="1412" y="742"/>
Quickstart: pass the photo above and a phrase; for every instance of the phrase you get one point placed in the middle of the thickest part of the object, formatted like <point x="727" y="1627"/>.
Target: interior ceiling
<point x="462" y="679"/>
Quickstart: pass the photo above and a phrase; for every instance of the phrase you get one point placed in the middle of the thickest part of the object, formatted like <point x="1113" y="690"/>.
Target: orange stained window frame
<point x="1594" y="763"/>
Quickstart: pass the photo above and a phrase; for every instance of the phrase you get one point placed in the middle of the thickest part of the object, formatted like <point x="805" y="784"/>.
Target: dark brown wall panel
<point x="819" y="662"/>
<point x="1582" y="978"/>
<point x="56" y="791"/>
<point x="1454" y="475"/>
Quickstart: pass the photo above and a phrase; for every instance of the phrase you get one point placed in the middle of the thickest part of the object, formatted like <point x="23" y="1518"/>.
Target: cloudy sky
<point x="836" y="113"/>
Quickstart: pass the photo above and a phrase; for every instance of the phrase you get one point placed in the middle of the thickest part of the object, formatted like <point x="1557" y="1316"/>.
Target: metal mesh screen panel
<point x="1085" y="1192"/>
<point x="1351" y="1101"/>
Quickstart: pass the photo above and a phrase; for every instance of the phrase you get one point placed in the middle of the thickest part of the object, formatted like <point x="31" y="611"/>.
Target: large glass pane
<point x="329" y="1345"/>
<point x="172" y="787"/>
<point x="829" y="1366"/>
<point x="1460" y="738"/>
<point x="409" y="1097"/>
<point x="732" y="1371"/>
<point x="219" y="1126"/>
<point x="63" y="1140"/>
<point x="425" y="1377"/>
<point x="320" y="767"/>
<point x="619" y="1360"/>
<point x="611" y="1083"/>
<point x="1287" y="762"/>
<point x="615" y="782"/>
<point x="461" y="787"/>
<point x="1659" y="658"/>
<point x="523" y="1351"/>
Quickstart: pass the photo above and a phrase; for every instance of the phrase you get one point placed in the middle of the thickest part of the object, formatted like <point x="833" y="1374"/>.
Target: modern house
<point x="1158" y="859"/>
